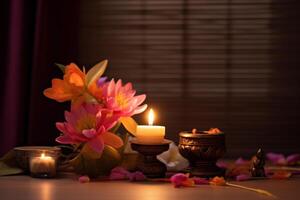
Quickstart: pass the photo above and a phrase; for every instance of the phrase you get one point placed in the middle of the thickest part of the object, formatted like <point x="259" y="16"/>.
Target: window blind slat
<point x="230" y="64"/>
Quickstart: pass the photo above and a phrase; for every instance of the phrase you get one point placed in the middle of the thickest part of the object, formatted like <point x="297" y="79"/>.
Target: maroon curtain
<point x="34" y="35"/>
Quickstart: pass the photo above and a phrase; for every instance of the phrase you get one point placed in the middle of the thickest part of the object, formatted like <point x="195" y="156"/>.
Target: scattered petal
<point x="136" y="176"/>
<point x="222" y="164"/>
<point x="277" y="159"/>
<point x="219" y="181"/>
<point x="241" y="161"/>
<point x="84" y="179"/>
<point x="200" y="181"/>
<point x="181" y="179"/>
<point x="119" y="173"/>
<point x="293" y="159"/>
<point x="243" y="177"/>
<point x="281" y="175"/>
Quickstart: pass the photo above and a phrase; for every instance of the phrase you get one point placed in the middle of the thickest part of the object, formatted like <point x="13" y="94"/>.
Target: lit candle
<point x="43" y="166"/>
<point x="150" y="134"/>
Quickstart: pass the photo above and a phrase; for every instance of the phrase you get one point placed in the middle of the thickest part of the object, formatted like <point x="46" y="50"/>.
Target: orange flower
<point x="72" y="85"/>
<point x="219" y="181"/>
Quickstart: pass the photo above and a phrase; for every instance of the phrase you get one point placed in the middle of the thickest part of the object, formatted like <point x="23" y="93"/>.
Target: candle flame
<point x="151" y="117"/>
<point x="43" y="155"/>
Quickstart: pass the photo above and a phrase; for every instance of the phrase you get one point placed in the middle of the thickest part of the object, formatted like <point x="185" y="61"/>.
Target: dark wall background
<point x="231" y="64"/>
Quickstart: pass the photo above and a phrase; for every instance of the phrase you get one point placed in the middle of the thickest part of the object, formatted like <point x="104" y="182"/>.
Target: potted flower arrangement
<point x="98" y="108"/>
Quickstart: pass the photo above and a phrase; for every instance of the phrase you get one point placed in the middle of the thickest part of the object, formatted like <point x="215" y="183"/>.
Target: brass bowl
<point x="24" y="153"/>
<point x="202" y="150"/>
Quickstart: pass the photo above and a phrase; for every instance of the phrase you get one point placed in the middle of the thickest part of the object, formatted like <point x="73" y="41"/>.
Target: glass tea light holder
<point x="43" y="165"/>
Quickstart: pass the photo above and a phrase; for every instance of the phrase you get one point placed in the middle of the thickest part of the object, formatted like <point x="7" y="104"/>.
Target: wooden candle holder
<point x="148" y="163"/>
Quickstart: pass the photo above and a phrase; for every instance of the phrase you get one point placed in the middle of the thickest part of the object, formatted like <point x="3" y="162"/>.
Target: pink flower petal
<point x="277" y="159"/>
<point x="97" y="144"/>
<point x="136" y="176"/>
<point x="128" y="86"/>
<point x="118" y="85"/>
<point x="242" y="177"/>
<point x="200" y="181"/>
<point x="118" y="173"/>
<point x="140" y="109"/>
<point x="111" y="87"/>
<point x="89" y="133"/>
<point x="64" y="139"/>
<point x="60" y="126"/>
<point x="241" y="161"/>
<point x="222" y="164"/>
<point x="84" y="179"/>
<point x="181" y="179"/>
<point x="139" y="99"/>
<point x="293" y="159"/>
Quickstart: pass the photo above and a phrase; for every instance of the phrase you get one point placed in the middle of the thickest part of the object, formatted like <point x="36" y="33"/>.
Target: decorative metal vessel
<point x="148" y="163"/>
<point x="202" y="150"/>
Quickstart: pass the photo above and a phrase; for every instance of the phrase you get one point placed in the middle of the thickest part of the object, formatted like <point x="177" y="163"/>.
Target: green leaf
<point x="115" y="128"/>
<point x="61" y="67"/>
<point x="95" y="72"/>
<point x="130" y="124"/>
<point x="8" y="164"/>
<point x="85" y="165"/>
<point x="8" y="170"/>
<point x="87" y="151"/>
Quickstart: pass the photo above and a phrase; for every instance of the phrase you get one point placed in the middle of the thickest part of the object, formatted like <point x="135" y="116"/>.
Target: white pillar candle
<point x="150" y="134"/>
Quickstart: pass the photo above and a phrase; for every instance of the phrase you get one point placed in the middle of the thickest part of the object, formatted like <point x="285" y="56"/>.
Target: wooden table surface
<point x="67" y="188"/>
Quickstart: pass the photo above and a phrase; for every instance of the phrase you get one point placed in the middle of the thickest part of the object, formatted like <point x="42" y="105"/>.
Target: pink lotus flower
<point x="89" y="123"/>
<point x="121" y="98"/>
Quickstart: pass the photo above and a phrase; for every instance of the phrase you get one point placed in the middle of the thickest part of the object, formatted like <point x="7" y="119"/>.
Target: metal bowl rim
<point x="199" y="134"/>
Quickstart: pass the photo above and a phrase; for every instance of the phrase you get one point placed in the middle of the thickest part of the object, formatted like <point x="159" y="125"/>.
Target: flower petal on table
<point x="281" y="175"/>
<point x="200" y="181"/>
<point x="293" y="159"/>
<point x="181" y="179"/>
<point x="242" y="161"/>
<point x="243" y="177"/>
<point x="277" y="159"/>
<point x="84" y="179"/>
<point x="118" y="173"/>
<point x="218" y="181"/>
<point x="136" y="176"/>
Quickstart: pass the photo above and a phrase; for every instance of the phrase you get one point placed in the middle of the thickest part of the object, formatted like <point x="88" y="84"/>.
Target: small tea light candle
<point x="43" y="166"/>
<point x="150" y="134"/>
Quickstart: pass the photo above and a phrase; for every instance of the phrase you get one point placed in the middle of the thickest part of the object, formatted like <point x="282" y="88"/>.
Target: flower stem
<point x="260" y="191"/>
